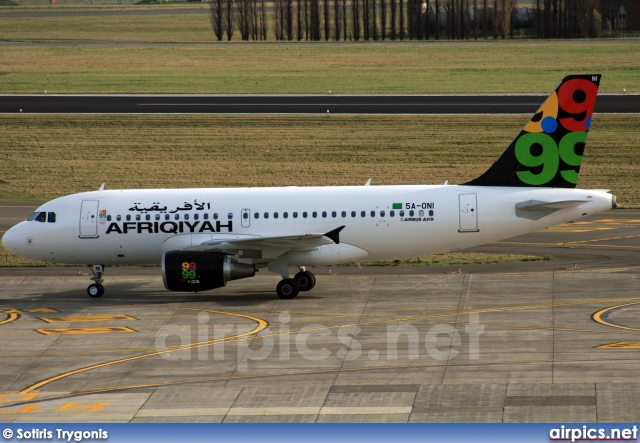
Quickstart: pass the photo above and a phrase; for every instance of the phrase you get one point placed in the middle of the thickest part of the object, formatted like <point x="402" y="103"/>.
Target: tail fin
<point x="549" y="149"/>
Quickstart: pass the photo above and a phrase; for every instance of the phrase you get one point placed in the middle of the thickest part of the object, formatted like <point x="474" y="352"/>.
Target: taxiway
<point x="541" y="341"/>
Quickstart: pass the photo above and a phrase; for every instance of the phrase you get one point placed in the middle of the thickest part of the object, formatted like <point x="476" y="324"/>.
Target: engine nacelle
<point x="194" y="271"/>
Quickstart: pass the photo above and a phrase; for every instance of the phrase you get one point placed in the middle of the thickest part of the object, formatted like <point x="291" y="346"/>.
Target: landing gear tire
<point x="95" y="290"/>
<point x="287" y="289"/>
<point x="306" y="280"/>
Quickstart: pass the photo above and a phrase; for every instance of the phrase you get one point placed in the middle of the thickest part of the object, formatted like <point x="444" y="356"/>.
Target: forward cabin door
<point x="89" y="218"/>
<point x="468" y="213"/>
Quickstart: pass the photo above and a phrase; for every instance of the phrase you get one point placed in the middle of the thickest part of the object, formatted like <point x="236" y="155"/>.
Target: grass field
<point x="45" y="156"/>
<point x="177" y="54"/>
<point x="455" y="258"/>
<point x="109" y="28"/>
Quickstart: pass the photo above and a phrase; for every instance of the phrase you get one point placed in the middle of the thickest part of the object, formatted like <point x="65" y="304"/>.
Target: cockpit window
<point x="41" y="217"/>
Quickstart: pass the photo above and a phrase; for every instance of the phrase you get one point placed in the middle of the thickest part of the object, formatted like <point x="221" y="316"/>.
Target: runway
<point x="541" y="341"/>
<point x="300" y="104"/>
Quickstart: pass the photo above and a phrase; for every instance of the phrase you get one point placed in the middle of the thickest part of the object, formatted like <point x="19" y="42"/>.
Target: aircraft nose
<point x="11" y="240"/>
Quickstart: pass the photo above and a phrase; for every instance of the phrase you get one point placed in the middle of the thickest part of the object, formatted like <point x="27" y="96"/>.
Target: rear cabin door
<point x="468" y="213"/>
<point x="89" y="218"/>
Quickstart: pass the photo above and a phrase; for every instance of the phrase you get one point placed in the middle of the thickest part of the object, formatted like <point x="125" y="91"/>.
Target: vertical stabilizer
<point x="548" y="151"/>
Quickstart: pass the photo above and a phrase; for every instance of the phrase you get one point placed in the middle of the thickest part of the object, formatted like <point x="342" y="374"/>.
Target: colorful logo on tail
<point x="548" y="151"/>
<point x="555" y="137"/>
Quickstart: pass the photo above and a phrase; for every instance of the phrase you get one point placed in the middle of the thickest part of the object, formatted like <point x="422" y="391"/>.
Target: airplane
<point x="204" y="238"/>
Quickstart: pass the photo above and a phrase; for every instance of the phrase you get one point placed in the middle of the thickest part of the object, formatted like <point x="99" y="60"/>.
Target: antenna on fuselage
<point x="101" y="188"/>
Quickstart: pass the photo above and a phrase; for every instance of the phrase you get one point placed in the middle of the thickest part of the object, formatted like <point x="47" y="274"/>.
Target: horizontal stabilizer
<point x="537" y="209"/>
<point x="538" y="205"/>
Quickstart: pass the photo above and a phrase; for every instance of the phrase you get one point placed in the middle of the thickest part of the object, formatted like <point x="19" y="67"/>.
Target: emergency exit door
<point x="246" y="218"/>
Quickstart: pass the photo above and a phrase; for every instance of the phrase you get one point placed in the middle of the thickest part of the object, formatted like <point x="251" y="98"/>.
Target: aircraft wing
<point x="270" y="247"/>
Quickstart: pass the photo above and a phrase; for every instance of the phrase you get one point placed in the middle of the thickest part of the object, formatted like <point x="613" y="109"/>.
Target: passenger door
<point x="89" y="219"/>
<point x="468" y="213"/>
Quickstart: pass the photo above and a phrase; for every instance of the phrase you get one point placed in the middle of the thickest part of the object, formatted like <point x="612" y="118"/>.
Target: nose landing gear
<point x="96" y="290"/>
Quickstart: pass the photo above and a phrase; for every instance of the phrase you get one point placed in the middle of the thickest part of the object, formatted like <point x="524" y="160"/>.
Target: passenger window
<point x="421" y="213"/>
<point x="51" y="217"/>
<point x="176" y="217"/>
<point x="256" y="215"/>
<point x="41" y="217"/>
<point x="118" y="218"/>
<point x="392" y="213"/>
<point x="275" y="215"/>
<point x="363" y="214"/>
<point x="205" y="216"/>
<point x="381" y="213"/>
<point x="285" y="215"/>
<point x="324" y="214"/>
<point x="138" y="217"/>
<point x="147" y="217"/>
<point x="109" y="217"/>
<point x="266" y="215"/>
<point x="373" y="213"/>
<point x="215" y="216"/>
<point x="344" y="214"/>
<point x="353" y="213"/>
<point x="157" y="216"/>
<point x="167" y="217"/>
<point x="304" y="214"/>
<point x="128" y="217"/>
<point x="411" y="213"/>
<point x="229" y="215"/>
<point x="333" y="214"/>
<point x="186" y="216"/>
<point x="402" y="213"/>
<point x="295" y="215"/>
<point x="314" y="214"/>
<point x="196" y="216"/>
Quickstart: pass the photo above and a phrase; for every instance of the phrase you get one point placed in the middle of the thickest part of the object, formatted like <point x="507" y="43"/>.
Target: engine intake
<point x="194" y="271"/>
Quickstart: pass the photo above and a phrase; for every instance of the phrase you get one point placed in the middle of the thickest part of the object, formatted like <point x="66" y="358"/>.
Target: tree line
<point x="379" y="20"/>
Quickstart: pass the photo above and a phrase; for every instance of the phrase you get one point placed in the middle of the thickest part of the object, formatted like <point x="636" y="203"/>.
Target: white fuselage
<point x="133" y="227"/>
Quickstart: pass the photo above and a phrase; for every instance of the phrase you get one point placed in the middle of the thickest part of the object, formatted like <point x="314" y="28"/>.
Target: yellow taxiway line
<point x="262" y="324"/>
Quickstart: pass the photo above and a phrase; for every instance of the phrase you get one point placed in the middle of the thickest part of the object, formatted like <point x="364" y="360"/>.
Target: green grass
<point x="456" y="258"/>
<point x="222" y="68"/>
<point x="46" y="156"/>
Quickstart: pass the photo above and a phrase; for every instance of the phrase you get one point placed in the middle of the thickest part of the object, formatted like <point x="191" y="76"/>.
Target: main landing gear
<point x="289" y="288"/>
<point x="96" y="290"/>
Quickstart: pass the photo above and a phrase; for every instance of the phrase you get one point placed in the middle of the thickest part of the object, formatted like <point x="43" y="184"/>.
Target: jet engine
<point x="194" y="271"/>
